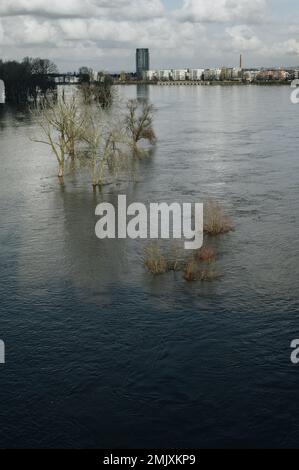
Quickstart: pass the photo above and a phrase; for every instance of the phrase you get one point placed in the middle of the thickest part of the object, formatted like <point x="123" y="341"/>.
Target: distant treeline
<point x="23" y="80"/>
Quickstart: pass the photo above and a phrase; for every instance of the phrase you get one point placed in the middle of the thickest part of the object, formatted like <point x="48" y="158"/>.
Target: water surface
<point x="99" y="353"/>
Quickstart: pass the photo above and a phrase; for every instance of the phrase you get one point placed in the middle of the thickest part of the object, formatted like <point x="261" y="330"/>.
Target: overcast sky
<point x="104" y="34"/>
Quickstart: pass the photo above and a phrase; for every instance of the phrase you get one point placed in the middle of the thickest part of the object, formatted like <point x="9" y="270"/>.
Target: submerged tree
<point x="97" y="138"/>
<point x="106" y="151"/>
<point x="104" y="91"/>
<point x="100" y="92"/>
<point x="75" y="122"/>
<point x="62" y="124"/>
<point x="139" y="123"/>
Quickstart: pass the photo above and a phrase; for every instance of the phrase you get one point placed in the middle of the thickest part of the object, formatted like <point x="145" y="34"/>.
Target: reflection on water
<point x="143" y="92"/>
<point x="99" y="353"/>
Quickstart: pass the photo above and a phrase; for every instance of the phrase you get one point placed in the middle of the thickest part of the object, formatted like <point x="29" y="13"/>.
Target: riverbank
<point x="203" y="83"/>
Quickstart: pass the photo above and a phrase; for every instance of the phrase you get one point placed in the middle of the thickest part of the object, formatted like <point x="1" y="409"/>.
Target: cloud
<point x="52" y="8"/>
<point x="291" y="47"/>
<point x="243" y="38"/>
<point x="105" y="33"/>
<point x="81" y="8"/>
<point x="223" y="11"/>
<point x="288" y="48"/>
<point x="158" y="32"/>
<point x="27" y="30"/>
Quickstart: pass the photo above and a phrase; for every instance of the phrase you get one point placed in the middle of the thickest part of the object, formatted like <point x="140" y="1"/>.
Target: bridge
<point x="65" y="79"/>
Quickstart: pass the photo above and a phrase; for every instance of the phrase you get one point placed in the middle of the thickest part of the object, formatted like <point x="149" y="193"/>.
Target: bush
<point x="190" y="271"/>
<point x="216" y="222"/>
<point x="207" y="274"/>
<point x="206" y="253"/>
<point x="154" y="260"/>
<point x="194" y="271"/>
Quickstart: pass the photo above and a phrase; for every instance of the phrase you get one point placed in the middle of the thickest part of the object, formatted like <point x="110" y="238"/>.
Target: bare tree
<point x="62" y="124"/>
<point x="101" y="92"/>
<point x="75" y="117"/>
<point x="99" y="139"/>
<point x="139" y="123"/>
<point x="105" y="154"/>
<point x="40" y="66"/>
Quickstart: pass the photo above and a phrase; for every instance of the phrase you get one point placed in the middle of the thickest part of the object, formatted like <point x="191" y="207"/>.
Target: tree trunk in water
<point x="94" y="173"/>
<point x="61" y="170"/>
<point x="72" y="150"/>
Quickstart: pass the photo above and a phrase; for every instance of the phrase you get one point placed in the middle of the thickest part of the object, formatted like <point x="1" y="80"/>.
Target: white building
<point x="250" y="75"/>
<point x="237" y="73"/>
<point x="196" y="74"/>
<point x="59" y="80"/>
<point x="94" y="76"/>
<point x="165" y="75"/>
<point x="180" y="74"/>
<point x="151" y="75"/>
<point x="212" y="74"/>
<point x="72" y="79"/>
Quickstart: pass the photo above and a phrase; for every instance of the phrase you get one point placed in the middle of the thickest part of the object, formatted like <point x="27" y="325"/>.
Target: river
<point x="101" y="354"/>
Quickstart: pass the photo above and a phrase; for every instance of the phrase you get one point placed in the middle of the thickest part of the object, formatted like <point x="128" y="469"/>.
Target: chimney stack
<point x="241" y="62"/>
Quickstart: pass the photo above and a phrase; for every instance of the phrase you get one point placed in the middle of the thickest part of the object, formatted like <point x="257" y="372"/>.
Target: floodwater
<point x="101" y="354"/>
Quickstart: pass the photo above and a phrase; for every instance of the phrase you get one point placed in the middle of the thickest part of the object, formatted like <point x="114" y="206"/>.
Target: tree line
<point x="24" y="80"/>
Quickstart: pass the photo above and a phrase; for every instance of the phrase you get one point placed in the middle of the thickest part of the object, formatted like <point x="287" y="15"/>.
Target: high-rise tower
<point x="142" y="62"/>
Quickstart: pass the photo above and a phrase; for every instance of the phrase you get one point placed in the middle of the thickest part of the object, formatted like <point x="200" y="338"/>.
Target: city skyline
<point x="180" y="33"/>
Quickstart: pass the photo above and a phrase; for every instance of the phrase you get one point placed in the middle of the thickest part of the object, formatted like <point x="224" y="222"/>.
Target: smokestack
<point x="241" y="62"/>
